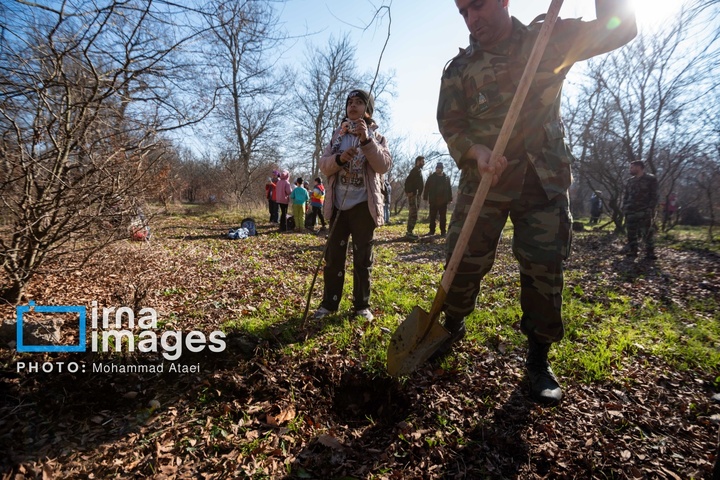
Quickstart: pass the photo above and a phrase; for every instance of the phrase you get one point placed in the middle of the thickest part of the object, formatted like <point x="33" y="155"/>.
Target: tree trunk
<point x="12" y="294"/>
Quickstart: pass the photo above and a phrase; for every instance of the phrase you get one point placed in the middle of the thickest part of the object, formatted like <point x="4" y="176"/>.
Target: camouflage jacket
<point x="641" y="193"/>
<point x="477" y="88"/>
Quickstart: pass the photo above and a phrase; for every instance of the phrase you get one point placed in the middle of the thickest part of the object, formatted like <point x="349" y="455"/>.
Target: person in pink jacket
<point x="353" y="162"/>
<point x="283" y="189"/>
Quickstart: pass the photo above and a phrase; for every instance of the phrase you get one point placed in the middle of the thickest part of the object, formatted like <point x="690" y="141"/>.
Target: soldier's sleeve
<point x="626" y="195"/>
<point x="654" y="192"/>
<point x="617" y="19"/>
<point x="578" y="40"/>
<point x="452" y="117"/>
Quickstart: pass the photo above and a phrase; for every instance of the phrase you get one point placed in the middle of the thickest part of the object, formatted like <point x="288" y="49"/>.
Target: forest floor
<point x="283" y="405"/>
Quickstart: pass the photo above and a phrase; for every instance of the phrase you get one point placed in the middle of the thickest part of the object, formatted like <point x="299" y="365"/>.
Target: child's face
<point x="355" y="108"/>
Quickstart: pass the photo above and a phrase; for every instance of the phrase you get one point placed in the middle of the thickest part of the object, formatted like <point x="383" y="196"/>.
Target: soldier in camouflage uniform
<point x="530" y="184"/>
<point x="639" y="201"/>
<point x="414" y="184"/>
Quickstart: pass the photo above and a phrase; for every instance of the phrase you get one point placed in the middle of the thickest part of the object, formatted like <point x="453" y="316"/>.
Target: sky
<point x="424" y="36"/>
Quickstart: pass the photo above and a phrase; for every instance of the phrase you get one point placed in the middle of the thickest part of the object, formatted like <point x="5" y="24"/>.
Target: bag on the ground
<point x="249" y="224"/>
<point x="238" y="234"/>
<point x="140" y="233"/>
<point x="290" y="222"/>
<point x="139" y="229"/>
<point x="310" y="220"/>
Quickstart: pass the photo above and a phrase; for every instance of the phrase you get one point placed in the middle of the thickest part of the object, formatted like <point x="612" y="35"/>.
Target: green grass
<point x="680" y="237"/>
<point x="601" y="336"/>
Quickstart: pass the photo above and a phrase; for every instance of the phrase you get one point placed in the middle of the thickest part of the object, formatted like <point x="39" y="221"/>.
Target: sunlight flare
<point x="655" y="13"/>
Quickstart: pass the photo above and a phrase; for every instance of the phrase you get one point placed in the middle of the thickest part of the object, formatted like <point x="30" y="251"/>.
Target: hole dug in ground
<point x="359" y="397"/>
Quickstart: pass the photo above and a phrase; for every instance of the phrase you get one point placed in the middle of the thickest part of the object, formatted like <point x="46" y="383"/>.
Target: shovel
<point x="420" y="335"/>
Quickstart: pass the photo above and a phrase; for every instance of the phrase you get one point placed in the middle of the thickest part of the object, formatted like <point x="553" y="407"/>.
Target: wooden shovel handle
<point x="500" y="144"/>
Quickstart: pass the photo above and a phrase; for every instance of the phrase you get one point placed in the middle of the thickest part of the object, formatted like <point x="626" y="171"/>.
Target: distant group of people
<point x="303" y="201"/>
<point x="437" y="191"/>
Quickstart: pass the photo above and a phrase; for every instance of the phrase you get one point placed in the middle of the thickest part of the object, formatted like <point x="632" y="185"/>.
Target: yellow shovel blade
<point x="414" y="341"/>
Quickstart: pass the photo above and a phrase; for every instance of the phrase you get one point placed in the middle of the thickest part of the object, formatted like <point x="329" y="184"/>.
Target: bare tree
<point x="240" y="48"/>
<point x="242" y="170"/>
<point x="705" y="182"/>
<point x="642" y="103"/>
<point x="85" y="94"/>
<point x="326" y="77"/>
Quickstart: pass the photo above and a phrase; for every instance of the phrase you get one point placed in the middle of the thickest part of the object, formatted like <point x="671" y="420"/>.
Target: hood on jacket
<point x="284" y="175"/>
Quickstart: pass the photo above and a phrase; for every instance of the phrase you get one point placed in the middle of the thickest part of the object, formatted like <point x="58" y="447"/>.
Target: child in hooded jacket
<point x="354" y="163"/>
<point x="282" y="194"/>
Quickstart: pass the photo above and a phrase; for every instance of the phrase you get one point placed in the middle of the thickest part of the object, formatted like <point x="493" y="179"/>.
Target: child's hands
<point x="361" y="130"/>
<point x="348" y="155"/>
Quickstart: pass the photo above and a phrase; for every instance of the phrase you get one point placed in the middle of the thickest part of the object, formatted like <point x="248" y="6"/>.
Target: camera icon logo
<point x="28" y="326"/>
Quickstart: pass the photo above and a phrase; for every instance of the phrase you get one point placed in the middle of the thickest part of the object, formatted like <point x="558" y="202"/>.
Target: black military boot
<point x="456" y="327"/>
<point x="544" y="386"/>
<point x="629" y="250"/>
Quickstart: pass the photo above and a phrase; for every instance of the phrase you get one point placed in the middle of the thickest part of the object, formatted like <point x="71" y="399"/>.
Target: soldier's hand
<point x="483" y="155"/>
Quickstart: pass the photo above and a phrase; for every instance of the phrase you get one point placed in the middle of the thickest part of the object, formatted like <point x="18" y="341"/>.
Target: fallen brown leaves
<point x="255" y="412"/>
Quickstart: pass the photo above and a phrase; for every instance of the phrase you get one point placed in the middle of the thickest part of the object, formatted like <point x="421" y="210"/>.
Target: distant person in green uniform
<point x="414" y="184"/>
<point x="640" y="200"/>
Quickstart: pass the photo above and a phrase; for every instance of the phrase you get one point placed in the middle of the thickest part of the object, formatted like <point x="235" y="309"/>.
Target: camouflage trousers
<point x="541" y="242"/>
<point x="413" y="207"/>
<point x="640" y="225"/>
